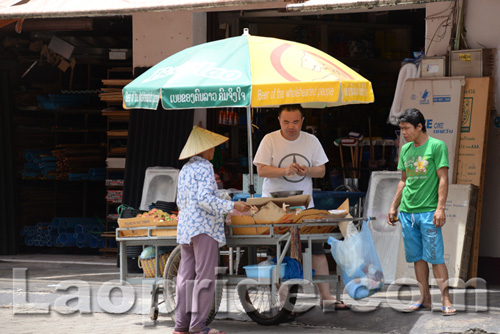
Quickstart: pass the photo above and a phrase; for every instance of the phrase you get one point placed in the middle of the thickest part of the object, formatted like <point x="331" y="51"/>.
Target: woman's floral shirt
<point x="200" y="209"/>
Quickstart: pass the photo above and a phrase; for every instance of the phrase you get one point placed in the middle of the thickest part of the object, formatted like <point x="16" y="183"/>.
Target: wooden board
<point x="476" y="111"/>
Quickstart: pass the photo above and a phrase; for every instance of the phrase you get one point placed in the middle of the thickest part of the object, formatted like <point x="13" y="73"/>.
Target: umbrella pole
<point x="251" y="188"/>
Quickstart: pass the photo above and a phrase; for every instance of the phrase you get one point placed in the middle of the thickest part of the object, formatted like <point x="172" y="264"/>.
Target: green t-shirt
<point x="420" y="193"/>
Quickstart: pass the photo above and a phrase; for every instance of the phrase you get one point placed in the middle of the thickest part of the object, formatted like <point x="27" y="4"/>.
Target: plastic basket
<point x="148" y="266"/>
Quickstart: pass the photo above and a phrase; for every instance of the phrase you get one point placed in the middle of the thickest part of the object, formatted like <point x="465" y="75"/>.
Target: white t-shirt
<point x="276" y="151"/>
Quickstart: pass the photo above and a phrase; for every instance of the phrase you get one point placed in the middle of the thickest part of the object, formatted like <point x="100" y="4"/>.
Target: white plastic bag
<point x="357" y="258"/>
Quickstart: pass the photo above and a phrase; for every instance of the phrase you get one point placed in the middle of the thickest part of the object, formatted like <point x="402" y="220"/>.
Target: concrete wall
<point x="159" y="35"/>
<point x="482" y="26"/>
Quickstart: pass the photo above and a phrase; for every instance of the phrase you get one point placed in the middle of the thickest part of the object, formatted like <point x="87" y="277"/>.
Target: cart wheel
<point x="264" y="308"/>
<point x="169" y="286"/>
<point x="153" y="310"/>
<point x="153" y="313"/>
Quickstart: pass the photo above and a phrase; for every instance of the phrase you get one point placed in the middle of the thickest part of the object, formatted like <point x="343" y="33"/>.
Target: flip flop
<point x="447" y="311"/>
<point x="414" y="307"/>
<point x="176" y="332"/>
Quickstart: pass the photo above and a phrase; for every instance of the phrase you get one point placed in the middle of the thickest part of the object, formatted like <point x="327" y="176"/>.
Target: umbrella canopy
<point x="247" y="71"/>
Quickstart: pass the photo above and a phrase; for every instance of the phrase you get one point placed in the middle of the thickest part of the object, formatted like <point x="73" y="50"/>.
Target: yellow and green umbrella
<point x="247" y="71"/>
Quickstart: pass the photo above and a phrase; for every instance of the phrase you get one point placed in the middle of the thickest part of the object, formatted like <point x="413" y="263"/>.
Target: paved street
<point x="56" y="284"/>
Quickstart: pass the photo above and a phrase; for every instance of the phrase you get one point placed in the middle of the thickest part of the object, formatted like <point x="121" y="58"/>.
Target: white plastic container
<point x="381" y="191"/>
<point x="160" y="184"/>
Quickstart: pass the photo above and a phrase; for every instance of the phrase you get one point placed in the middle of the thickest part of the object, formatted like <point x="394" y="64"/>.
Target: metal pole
<point x="251" y="188"/>
<point x="252" y="251"/>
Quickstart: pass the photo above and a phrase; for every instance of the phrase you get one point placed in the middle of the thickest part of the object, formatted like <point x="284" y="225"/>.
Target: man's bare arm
<point x="273" y="172"/>
<point x="392" y="215"/>
<point x="440" y="215"/>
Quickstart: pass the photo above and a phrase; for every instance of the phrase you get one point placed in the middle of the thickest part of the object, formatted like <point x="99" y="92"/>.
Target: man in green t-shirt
<point x="421" y="198"/>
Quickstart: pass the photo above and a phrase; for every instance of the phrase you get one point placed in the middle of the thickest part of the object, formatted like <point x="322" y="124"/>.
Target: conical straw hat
<point x="199" y="141"/>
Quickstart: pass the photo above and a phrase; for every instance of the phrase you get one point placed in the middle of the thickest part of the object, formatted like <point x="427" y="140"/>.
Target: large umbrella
<point x="247" y="71"/>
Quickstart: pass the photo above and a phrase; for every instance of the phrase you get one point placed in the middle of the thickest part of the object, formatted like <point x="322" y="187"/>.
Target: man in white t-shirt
<point x="288" y="159"/>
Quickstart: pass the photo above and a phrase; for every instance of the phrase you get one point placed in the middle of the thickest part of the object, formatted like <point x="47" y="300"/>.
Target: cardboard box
<point x="274" y="214"/>
<point x="271" y="214"/>
<point x="473" y="62"/>
<point x="146" y="222"/>
<point x="457" y="232"/>
<point x="341" y="212"/>
<point x="295" y="218"/>
<point x="292" y="201"/>
<point x="277" y="215"/>
<point x="434" y="67"/>
<point x="440" y="100"/>
<point x="477" y="105"/>
<point x="243" y="220"/>
<point x="474" y="130"/>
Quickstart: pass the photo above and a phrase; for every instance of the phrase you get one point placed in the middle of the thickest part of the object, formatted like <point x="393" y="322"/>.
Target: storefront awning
<point x="24" y="9"/>
<point x="323" y="5"/>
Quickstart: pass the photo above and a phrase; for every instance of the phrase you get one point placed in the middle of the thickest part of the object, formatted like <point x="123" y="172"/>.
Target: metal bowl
<point x="277" y="194"/>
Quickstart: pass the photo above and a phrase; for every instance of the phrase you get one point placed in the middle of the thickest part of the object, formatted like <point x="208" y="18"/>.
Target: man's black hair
<point x="291" y="107"/>
<point x="414" y="117"/>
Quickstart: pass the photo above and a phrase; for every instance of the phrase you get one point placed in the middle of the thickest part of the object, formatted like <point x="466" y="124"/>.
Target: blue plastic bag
<point x="293" y="268"/>
<point x="357" y="258"/>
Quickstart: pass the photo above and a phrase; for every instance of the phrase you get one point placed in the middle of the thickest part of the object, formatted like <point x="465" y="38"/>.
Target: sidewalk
<point x="51" y="281"/>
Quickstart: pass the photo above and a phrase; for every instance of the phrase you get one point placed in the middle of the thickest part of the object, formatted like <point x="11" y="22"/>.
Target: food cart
<point x="259" y="297"/>
<point x="251" y="72"/>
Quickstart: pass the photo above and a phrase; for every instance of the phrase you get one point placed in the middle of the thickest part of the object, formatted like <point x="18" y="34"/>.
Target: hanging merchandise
<point x="407" y="71"/>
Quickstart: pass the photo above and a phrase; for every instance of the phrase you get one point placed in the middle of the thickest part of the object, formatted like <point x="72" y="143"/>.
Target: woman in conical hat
<point x="200" y="230"/>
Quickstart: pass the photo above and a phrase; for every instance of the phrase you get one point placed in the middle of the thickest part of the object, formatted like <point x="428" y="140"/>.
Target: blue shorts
<point x="422" y="240"/>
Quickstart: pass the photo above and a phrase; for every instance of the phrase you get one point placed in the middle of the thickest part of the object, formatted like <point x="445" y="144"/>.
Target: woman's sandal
<point x="209" y="331"/>
<point x="338" y="305"/>
<point x="341" y="306"/>
<point x="450" y="310"/>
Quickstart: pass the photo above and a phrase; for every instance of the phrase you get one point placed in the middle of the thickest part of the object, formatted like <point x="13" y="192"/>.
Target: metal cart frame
<point x="281" y="242"/>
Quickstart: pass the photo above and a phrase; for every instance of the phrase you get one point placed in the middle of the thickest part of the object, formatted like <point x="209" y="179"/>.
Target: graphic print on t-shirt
<point x="421" y="164"/>
<point x="416" y="167"/>
<point x="294" y="158"/>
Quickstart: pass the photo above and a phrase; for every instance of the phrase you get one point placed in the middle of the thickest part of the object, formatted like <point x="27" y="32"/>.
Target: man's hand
<point x="241" y="206"/>
<point x="392" y="217"/>
<point x="302" y="170"/>
<point x="439" y="218"/>
<point x="292" y="169"/>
